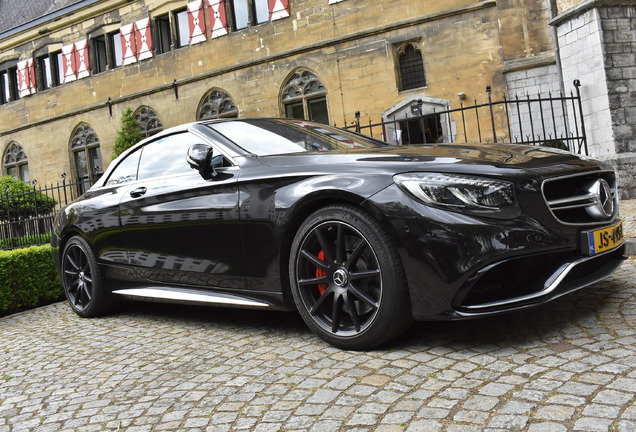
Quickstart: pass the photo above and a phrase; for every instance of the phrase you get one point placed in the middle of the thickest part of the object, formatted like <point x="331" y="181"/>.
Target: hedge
<point x="28" y="279"/>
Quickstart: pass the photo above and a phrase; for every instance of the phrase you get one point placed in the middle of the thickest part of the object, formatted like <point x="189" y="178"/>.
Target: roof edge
<point x="47" y="18"/>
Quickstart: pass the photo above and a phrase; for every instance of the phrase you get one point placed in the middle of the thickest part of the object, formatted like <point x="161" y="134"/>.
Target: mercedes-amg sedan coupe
<point x="359" y="236"/>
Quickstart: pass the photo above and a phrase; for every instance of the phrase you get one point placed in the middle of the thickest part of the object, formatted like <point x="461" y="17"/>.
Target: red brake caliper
<point x="320" y="273"/>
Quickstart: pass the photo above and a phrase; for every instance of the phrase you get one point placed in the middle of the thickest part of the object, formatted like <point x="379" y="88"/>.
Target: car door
<point x="180" y="228"/>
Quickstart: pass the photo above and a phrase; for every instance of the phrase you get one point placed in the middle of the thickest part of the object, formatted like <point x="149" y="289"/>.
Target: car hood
<point x="474" y="158"/>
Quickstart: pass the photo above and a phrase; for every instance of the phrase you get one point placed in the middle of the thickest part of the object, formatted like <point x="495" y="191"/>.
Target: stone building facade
<point x="68" y="69"/>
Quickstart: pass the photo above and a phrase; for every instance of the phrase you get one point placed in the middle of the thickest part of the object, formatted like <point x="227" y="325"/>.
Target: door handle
<point x="141" y="191"/>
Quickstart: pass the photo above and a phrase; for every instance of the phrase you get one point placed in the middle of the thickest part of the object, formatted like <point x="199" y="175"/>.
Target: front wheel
<point x="347" y="279"/>
<point x="82" y="280"/>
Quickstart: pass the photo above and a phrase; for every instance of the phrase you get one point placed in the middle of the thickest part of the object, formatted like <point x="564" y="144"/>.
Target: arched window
<point x="304" y="96"/>
<point x="87" y="157"/>
<point x="15" y="163"/>
<point x="410" y="67"/>
<point x="148" y="120"/>
<point x="216" y="104"/>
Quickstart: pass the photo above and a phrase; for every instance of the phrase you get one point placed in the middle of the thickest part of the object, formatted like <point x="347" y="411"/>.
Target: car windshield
<point x="264" y="137"/>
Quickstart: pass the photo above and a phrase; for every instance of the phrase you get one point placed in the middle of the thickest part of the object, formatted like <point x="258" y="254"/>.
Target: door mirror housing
<point x="200" y="158"/>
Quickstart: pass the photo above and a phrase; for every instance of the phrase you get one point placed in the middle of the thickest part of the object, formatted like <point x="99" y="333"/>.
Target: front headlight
<point x="476" y="195"/>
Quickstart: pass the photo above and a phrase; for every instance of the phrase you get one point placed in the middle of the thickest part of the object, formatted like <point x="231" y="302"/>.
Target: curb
<point x="630" y="246"/>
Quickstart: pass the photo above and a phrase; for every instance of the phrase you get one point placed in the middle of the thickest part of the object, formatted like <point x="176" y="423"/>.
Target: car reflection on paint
<point x="359" y="236"/>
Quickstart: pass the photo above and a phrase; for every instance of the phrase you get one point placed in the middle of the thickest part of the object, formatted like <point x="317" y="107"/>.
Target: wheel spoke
<point x="353" y="312"/>
<point x="365" y="274"/>
<point x="87" y="293"/>
<point x="341" y="247"/>
<point x="355" y="255"/>
<point x="79" y="292"/>
<point x="363" y="296"/>
<point x="313" y="259"/>
<point x="321" y="300"/>
<point x="314" y="281"/>
<point x="72" y="261"/>
<point x="325" y="245"/>
<point x="73" y="288"/>
<point x="336" y="312"/>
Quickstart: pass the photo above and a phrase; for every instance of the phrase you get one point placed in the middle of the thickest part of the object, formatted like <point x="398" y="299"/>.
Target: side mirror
<point x="199" y="157"/>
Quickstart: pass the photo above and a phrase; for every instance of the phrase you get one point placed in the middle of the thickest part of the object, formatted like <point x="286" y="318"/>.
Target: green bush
<point x="128" y="134"/>
<point x="557" y="144"/>
<point x="22" y="202"/>
<point x="28" y="279"/>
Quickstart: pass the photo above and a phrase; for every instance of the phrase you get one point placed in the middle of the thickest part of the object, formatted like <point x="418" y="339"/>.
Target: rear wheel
<point x="82" y="280"/>
<point x="347" y="279"/>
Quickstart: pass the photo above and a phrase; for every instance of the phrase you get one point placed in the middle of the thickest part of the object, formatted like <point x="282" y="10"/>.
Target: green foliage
<point x="128" y="134"/>
<point x="558" y="144"/>
<point x="28" y="279"/>
<point x="19" y="200"/>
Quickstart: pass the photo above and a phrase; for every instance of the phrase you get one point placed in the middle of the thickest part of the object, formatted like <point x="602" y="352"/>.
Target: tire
<point x="83" y="281"/>
<point x="347" y="279"/>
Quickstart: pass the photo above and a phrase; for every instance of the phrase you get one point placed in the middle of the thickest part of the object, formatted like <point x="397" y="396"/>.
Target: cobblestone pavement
<point x="566" y="366"/>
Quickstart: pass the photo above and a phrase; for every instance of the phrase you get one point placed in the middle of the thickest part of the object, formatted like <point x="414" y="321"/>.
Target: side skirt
<point x="194" y="296"/>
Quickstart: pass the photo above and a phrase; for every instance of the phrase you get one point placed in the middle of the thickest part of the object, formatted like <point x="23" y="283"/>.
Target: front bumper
<point x="461" y="266"/>
<point x="538" y="279"/>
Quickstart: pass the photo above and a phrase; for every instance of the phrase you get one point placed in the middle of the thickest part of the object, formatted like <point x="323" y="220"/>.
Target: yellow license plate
<point x="604" y="239"/>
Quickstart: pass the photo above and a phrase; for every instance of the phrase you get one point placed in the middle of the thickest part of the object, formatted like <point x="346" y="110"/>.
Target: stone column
<point x="597" y="45"/>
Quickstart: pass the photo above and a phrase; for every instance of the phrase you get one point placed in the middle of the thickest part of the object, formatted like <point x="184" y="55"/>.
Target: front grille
<point x="574" y="201"/>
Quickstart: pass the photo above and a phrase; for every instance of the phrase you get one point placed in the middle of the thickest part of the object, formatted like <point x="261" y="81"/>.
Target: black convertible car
<point x="359" y="236"/>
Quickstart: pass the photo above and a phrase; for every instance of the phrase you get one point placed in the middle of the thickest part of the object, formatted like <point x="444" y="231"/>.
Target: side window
<point x="115" y="49"/>
<point x="167" y="156"/>
<point x="45" y="72"/>
<point x="5" y="93"/>
<point x="126" y="171"/>
<point x="163" y="35"/>
<point x="99" y="52"/>
<point x="183" y="28"/>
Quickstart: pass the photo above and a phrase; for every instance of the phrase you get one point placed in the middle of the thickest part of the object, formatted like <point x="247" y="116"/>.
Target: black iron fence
<point x="550" y="120"/>
<point x="26" y="218"/>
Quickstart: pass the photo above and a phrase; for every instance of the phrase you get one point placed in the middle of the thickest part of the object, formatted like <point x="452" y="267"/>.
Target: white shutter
<point x="70" y="66"/>
<point x="143" y="39"/>
<point x="128" y="48"/>
<point x="217" y="18"/>
<point x="82" y="64"/>
<point x="196" y="22"/>
<point x="278" y="9"/>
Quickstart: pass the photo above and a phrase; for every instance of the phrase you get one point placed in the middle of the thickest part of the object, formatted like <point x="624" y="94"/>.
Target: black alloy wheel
<point x="347" y="279"/>
<point x="82" y="279"/>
